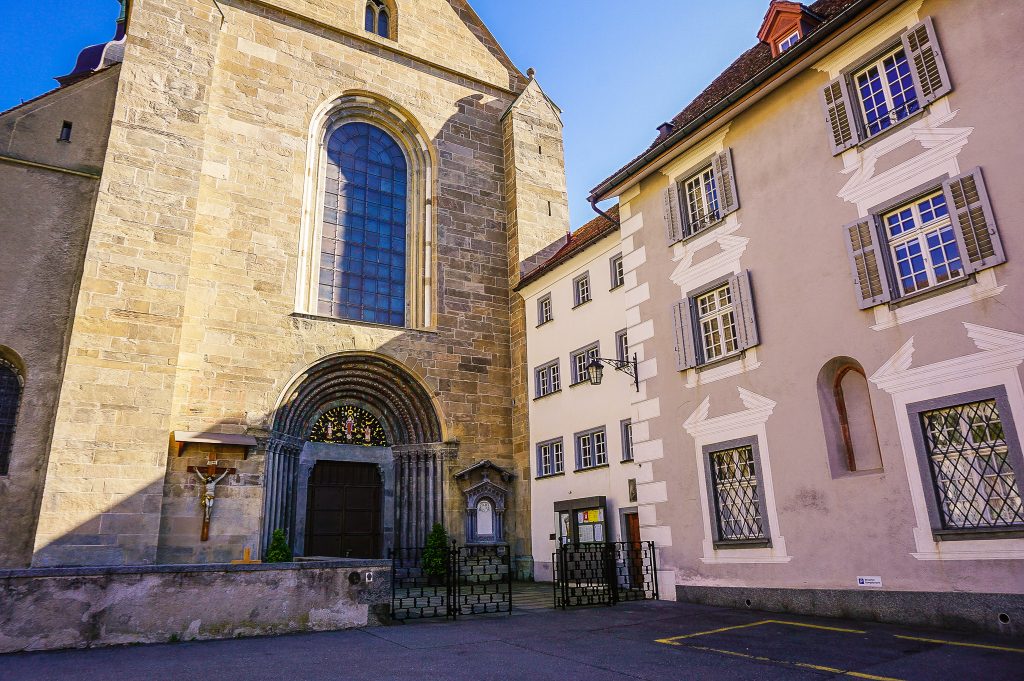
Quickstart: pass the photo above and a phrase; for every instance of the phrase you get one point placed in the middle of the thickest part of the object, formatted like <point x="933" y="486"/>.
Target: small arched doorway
<point x="355" y="460"/>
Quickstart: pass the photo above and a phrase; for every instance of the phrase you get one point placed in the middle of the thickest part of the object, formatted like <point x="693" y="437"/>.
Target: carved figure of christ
<point x="212" y="476"/>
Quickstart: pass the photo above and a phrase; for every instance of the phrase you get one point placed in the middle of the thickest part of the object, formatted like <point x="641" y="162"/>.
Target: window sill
<point x="541" y="397"/>
<point x="577" y="305"/>
<point x="552" y="475"/>
<point x="721" y="361"/>
<point x="355" y="322"/>
<point x="700" y="232"/>
<point x="617" y="286"/>
<point x="544" y="323"/>
<point x="979" y="533"/>
<point x="933" y="291"/>
<point x="878" y="136"/>
<point x="592" y="468"/>
<point x="585" y="381"/>
<point x="629" y="460"/>
<point x="743" y="544"/>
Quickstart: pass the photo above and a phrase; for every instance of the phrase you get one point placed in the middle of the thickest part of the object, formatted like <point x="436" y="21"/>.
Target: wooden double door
<point x="344" y="515"/>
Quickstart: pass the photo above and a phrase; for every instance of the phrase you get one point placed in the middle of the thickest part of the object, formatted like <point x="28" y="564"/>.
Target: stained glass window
<point x="10" y="400"/>
<point x="362" y="254"/>
<point x="349" y="425"/>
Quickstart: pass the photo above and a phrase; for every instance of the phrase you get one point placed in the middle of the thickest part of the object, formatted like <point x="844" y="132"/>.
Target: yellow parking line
<point x="1003" y="649"/>
<point x="803" y="665"/>
<point x="672" y="640"/>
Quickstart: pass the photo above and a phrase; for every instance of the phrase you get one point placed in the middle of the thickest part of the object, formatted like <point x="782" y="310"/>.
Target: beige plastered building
<point x="823" y="285"/>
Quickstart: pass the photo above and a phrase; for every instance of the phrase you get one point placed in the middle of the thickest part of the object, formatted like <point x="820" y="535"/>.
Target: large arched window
<point x="848" y="418"/>
<point x="10" y="401"/>
<point x="363" y="241"/>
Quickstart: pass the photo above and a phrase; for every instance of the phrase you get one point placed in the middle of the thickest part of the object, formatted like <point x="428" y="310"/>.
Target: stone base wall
<point x="49" y="609"/>
<point x="944" y="610"/>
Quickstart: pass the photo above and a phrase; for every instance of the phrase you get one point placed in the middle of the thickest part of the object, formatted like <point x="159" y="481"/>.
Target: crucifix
<point x="209" y="476"/>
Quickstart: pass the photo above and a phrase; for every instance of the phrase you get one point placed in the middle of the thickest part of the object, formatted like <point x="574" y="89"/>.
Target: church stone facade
<point x="174" y="283"/>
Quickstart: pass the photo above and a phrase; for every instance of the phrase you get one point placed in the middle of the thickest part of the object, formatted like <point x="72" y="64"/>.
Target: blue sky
<point x="616" y="69"/>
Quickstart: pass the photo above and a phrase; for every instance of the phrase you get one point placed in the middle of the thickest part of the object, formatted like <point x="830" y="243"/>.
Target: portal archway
<point x="395" y="425"/>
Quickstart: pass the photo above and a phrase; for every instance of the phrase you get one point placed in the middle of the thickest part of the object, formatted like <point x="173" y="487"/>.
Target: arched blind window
<point x="10" y="400"/>
<point x="363" y="249"/>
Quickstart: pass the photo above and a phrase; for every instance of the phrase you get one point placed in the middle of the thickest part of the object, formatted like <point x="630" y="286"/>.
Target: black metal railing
<point x="473" y="580"/>
<point x="604" y="573"/>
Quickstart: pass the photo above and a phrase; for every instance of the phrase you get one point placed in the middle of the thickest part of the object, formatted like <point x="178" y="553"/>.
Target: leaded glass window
<point x="349" y="425"/>
<point x="377" y="20"/>
<point x="735" y="486"/>
<point x="363" y="247"/>
<point x="10" y="400"/>
<point x="974" y="478"/>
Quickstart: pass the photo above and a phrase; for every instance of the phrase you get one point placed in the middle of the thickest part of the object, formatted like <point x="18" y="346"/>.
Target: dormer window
<point x="789" y="42"/>
<point x="785" y="24"/>
<point x="378" y="18"/>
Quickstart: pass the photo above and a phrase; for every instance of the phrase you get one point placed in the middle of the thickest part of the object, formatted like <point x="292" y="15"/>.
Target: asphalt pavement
<point x="652" y="640"/>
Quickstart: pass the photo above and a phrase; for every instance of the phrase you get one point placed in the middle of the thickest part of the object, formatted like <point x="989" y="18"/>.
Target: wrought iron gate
<point x="604" y="573"/>
<point x="474" y="580"/>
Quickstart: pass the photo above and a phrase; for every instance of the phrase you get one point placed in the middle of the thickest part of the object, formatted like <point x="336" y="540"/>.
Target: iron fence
<point x="604" y="573"/>
<point x="472" y="580"/>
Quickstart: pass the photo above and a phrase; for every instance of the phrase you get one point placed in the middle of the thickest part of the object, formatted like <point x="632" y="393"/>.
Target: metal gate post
<point x="451" y="592"/>
<point x="394" y="574"/>
<point x="610" y="574"/>
<point x="564" y="577"/>
<point x="654" y="570"/>
<point x="508" y="558"/>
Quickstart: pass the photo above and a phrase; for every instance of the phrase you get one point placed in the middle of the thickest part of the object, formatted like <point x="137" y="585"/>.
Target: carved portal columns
<point x="420" y="493"/>
<point x="282" y="468"/>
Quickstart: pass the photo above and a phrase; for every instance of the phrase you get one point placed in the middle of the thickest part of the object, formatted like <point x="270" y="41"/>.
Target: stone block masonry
<point x="50" y="609"/>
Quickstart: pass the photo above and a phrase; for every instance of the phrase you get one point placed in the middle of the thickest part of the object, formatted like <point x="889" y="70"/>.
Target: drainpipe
<point x="609" y="218"/>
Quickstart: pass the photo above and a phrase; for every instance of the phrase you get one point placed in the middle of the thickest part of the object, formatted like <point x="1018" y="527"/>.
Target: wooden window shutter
<point x="972" y="214"/>
<point x="673" y="215"/>
<point x="743" y="303"/>
<point x="725" y="180"/>
<point x="840" y="116"/>
<point x="929" y="68"/>
<point x="869" y="275"/>
<point x="686" y="350"/>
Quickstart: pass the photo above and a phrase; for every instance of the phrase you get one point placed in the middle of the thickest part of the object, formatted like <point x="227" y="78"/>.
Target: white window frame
<point x="592" y="444"/>
<point x="550" y="458"/>
<point x="716" y="315"/>
<point x="618" y="273"/>
<point x="789" y="42"/>
<point x="700" y="195"/>
<point x="548" y="379"/>
<point x="545" y="310"/>
<point x="581" y="291"/>
<point x="858" y="97"/>
<point x="587" y="355"/>
<point x="919" y="233"/>
<point x="626" y="428"/>
<point x="622" y="346"/>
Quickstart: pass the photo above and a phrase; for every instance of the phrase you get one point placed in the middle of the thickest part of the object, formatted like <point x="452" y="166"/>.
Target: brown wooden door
<point x="344" y="515"/>
<point x="636" y="559"/>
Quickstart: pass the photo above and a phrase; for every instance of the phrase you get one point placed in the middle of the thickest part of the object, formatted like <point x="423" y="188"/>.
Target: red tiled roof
<point x="577" y="241"/>
<point x="749" y="65"/>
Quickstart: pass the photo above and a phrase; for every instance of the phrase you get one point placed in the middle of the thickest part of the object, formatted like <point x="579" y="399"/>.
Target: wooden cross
<point x="211" y="474"/>
<point x="246" y="558"/>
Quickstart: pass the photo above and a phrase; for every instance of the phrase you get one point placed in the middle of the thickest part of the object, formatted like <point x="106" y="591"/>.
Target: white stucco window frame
<point x="420" y="290"/>
<point x="742" y="424"/>
<point x="996" y="364"/>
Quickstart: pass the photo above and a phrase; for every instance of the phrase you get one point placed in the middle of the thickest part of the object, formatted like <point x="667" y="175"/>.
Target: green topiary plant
<point x="279" y="552"/>
<point x="435" y="553"/>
